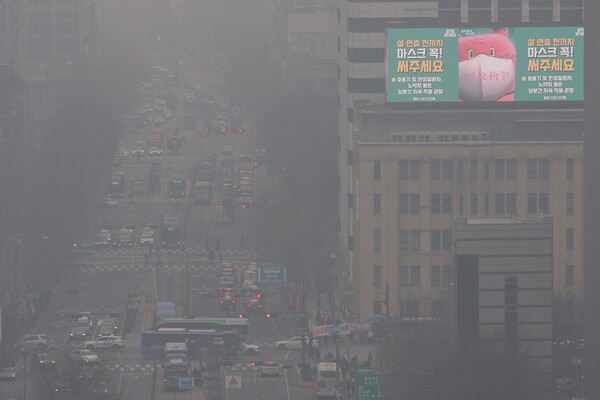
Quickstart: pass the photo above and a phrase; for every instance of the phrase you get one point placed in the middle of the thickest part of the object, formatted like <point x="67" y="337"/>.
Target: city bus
<point x="171" y="231"/>
<point x="327" y="377"/>
<point x="152" y="343"/>
<point x="241" y="325"/>
<point x="116" y="185"/>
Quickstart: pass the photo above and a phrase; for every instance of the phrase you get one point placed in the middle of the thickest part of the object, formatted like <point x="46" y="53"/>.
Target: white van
<point x="326" y="379"/>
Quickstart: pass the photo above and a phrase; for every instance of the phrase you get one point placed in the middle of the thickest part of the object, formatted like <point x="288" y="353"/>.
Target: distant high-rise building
<point x="9" y="31"/>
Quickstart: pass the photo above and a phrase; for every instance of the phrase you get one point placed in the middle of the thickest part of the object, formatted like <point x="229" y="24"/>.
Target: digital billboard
<point x="477" y="65"/>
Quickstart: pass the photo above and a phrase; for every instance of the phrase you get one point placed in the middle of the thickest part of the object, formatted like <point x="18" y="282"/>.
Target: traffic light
<point x="258" y="295"/>
<point x="241" y="315"/>
<point x="322" y="318"/>
<point x="268" y="315"/>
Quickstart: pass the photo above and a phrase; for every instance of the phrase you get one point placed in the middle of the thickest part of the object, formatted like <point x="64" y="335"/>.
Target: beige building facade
<point x="408" y="191"/>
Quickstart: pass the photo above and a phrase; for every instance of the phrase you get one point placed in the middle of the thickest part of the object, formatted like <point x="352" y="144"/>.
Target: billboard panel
<point x="479" y="65"/>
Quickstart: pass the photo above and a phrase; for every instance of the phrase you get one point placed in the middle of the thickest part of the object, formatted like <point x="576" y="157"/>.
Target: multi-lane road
<point x="112" y="279"/>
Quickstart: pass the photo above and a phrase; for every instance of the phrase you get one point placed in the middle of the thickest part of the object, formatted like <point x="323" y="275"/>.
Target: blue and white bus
<point x="152" y="343"/>
<point x="241" y="325"/>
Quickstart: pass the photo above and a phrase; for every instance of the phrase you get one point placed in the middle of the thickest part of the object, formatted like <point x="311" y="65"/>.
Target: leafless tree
<point x="424" y="362"/>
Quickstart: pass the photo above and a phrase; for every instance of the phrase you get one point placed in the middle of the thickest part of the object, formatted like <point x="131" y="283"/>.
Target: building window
<point x="543" y="202"/>
<point x="403" y="276"/>
<point x="403" y="206"/>
<point x="415" y="276"/>
<point x="473" y="204"/>
<point x="350" y="198"/>
<point x="460" y="169"/>
<point x="447" y="203"/>
<point x="511" y="204"/>
<point x="377" y="239"/>
<point x="446" y="240"/>
<point x="415" y="169"/>
<point x="377" y="204"/>
<point x="403" y="239"/>
<point x="409" y="308"/>
<point x="532" y="203"/>
<point x="570" y="239"/>
<point x="436" y="276"/>
<point x="543" y="168"/>
<point x="447" y="170"/>
<point x="499" y="205"/>
<point x="435" y="166"/>
<point x="377" y="170"/>
<point x="436" y="240"/>
<point x="487" y="169"/>
<point x="415" y="239"/>
<point x="511" y="168"/>
<point x="569" y="275"/>
<point x="570" y="168"/>
<point x="403" y="172"/>
<point x="415" y="204"/>
<point x="461" y="204"/>
<point x="436" y="204"/>
<point x="531" y="168"/>
<point x="377" y="307"/>
<point x="474" y="173"/>
<point x="570" y="203"/>
<point x="377" y="276"/>
<point x="499" y="169"/>
<point x="486" y="204"/>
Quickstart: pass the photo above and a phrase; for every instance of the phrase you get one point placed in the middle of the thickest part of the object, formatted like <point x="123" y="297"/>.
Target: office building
<point x="382" y="131"/>
<point x="412" y="183"/>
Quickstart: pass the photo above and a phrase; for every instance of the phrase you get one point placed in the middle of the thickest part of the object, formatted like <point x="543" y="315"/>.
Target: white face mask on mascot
<point x="499" y="74"/>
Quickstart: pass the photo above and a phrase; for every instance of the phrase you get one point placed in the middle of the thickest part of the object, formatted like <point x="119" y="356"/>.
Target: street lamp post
<point x="303" y="284"/>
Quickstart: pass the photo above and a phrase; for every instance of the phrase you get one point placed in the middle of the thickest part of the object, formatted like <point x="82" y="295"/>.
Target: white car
<point x="147" y="239"/>
<point x="250" y="349"/>
<point x="294" y="343"/>
<point x="87" y="356"/>
<point x="105" y="342"/>
<point x="154" y="151"/>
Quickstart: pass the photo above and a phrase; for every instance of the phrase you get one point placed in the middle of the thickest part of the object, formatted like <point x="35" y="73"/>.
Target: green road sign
<point x="368" y="384"/>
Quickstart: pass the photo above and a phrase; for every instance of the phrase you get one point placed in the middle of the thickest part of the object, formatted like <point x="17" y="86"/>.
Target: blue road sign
<point x="271" y="272"/>
<point x="186" y="383"/>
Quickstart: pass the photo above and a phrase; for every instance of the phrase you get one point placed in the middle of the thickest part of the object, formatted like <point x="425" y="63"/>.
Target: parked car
<point x="8" y="374"/>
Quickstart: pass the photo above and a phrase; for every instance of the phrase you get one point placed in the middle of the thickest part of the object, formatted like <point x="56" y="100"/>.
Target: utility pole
<point x="303" y="284"/>
<point x="387" y="300"/>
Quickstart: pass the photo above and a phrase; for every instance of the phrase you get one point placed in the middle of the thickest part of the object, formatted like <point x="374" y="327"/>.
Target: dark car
<point x="79" y="333"/>
<point x="42" y="361"/>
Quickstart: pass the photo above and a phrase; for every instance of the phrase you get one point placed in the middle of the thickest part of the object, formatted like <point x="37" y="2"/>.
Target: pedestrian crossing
<point x="191" y="250"/>
<point x="148" y="368"/>
<point x="129" y="268"/>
